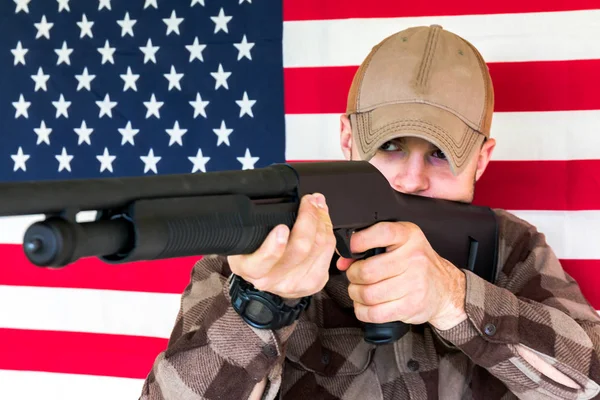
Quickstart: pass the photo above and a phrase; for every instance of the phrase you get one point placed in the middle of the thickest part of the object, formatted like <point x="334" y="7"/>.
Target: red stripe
<point x="79" y="353"/>
<point x="587" y="275"/>
<point x="295" y="10"/>
<point x="159" y="276"/>
<point x="519" y="86"/>
<point x="133" y="356"/>
<point x="540" y="185"/>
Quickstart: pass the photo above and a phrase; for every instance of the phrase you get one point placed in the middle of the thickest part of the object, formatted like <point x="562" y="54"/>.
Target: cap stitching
<point x="420" y="101"/>
<point x="425" y="66"/>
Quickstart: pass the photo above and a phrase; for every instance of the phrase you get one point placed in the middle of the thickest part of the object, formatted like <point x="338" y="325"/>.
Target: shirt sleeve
<point x="534" y="304"/>
<point x="212" y="352"/>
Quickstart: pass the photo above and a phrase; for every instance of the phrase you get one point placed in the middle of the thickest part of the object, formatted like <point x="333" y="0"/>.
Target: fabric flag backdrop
<point x="140" y="87"/>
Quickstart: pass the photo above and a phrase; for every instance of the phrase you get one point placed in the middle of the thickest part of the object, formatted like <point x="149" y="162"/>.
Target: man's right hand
<point x="292" y="264"/>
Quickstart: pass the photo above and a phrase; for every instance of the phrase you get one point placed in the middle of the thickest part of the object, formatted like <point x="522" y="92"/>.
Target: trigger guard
<point x="342" y="237"/>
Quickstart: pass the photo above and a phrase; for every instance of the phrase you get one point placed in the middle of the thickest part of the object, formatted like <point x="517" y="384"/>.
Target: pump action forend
<point x="232" y="212"/>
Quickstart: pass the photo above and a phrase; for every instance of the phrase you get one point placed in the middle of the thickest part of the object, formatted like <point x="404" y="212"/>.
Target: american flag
<point x="141" y="87"/>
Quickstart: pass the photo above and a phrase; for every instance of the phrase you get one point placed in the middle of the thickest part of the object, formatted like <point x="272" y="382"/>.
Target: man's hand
<point x="292" y="264"/>
<point x="410" y="282"/>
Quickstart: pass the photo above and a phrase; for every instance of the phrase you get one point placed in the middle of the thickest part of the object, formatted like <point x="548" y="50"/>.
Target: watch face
<point x="258" y="312"/>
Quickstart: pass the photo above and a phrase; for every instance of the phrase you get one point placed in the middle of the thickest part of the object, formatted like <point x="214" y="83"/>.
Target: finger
<point x="388" y="235"/>
<point x="344" y="263"/>
<point x="390" y="289"/>
<point x="377" y="268"/>
<point x="312" y="274"/>
<point x="304" y="230"/>
<point x="383" y="312"/>
<point x="260" y="262"/>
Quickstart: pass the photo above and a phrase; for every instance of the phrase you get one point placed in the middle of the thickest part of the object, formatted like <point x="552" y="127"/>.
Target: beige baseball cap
<point x="426" y="82"/>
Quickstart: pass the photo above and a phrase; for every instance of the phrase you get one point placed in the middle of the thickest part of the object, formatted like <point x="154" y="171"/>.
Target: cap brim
<point x="442" y="128"/>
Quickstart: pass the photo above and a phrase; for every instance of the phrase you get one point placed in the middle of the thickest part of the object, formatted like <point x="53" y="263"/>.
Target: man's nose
<point x="412" y="178"/>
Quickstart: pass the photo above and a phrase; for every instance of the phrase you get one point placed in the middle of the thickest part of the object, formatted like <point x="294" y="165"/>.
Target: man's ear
<point x="346" y="137"/>
<point x="485" y="155"/>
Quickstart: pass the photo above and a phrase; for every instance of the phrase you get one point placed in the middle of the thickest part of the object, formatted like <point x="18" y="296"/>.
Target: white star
<point x="84" y="133"/>
<point x="43" y="133"/>
<point x="104" y="4"/>
<point x="128" y="133"/>
<point x="173" y="23"/>
<point x="150" y="161"/>
<point x="107" y="52"/>
<point x="63" y="54"/>
<point x="176" y="134"/>
<point x="63" y="5"/>
<point x="221" y="21"/>
<point x="248" y="161"/>
<point x="20" y="159"/>
<point x="149" y="52"/>
<point x="130" y="80"/>
<point x="173" y="77"/>
<point x="40" y="80"/>
<point x="195" y="50"/>
<point x="19" y="53"/>
<point x="22" y="5"/>
<point x="201" y="2"/>
<point x="153" y="106"/>
<point x="149" y="3"/>
<point x="126" y="25"/>
<point x="246" y="105"/>
<point x="43" y="28"/>
<point x="64" y="160"/>
<point x="199" y="162"/>
<point x="85" y="80"/>
<point x="221" y="78"/>
<point x="244" y="48"/>
<point x="61" y="107"/>
<point x="21" y="107"/>
<point x="85" y="26"/>
<point x="106" y="160"/>
<point x="223" y="134"/>
<point x="106" y="106"/>
<point x="199" y="106"/>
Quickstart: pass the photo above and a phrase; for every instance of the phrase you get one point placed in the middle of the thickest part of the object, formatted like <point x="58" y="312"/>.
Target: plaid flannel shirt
<point x="213" y="354"/>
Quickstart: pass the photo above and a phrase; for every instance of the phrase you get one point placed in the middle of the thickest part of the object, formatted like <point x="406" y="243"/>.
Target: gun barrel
<point x="54" y="196"/>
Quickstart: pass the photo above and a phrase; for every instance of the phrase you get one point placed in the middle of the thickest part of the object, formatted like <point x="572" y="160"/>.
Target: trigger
<point x="342" y="237"/>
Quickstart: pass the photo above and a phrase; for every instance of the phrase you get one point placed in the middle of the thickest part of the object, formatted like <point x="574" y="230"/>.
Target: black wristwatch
<point x="263" y="310"/>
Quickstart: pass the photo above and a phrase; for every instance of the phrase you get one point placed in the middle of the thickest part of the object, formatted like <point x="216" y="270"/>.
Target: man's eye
<point x="439" y="154"/>
<point x="389" y="146"/>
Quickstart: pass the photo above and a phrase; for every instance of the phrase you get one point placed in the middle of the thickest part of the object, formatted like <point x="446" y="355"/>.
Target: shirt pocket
<point x="329" y="352"/>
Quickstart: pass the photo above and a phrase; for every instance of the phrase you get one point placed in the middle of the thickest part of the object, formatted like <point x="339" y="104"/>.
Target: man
<point x="420" y="110"/>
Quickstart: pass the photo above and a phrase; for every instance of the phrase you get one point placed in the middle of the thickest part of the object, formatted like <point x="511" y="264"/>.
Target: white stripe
<point x="561" y="135"/>
<point x="12" y="229"/>
<point x="571" y="234"/>
<point x="27" y="385"/>
<point x="566" y="35"/>
<point x="89" y="310"/>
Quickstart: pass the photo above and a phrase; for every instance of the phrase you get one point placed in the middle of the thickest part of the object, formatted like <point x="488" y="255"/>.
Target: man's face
<point x="415" y="166"/>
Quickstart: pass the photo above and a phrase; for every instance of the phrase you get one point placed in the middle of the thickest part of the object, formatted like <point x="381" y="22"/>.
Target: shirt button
<point x="269" y="351"/>
<point x="489" y="329"/>
<point x="413" y="365"/>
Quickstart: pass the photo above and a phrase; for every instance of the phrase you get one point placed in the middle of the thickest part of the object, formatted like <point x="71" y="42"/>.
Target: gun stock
<point x="231" y="212"/>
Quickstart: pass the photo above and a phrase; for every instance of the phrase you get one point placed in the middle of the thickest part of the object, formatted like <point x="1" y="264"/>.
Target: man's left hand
<point x="410" y="282"/>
